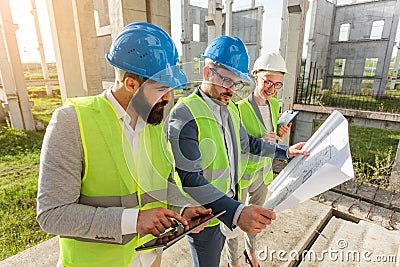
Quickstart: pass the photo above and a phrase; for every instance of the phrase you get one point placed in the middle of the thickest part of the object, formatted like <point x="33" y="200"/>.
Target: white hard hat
<point x="271" y="62"/>
<point x="228" y="233"/>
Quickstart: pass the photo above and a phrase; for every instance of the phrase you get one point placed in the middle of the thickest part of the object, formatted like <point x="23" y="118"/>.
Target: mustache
<point x="227" y="94"/>
<point x="160" y="105"/>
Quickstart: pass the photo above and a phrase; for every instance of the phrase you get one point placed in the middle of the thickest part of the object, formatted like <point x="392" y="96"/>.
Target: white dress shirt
<point x="221" y="114"/>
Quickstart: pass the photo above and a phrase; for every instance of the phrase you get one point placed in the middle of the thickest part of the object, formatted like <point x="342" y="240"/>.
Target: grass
<point x="44" y="105"/>
<point x="373" y="152"/>
<point x="19" y="165"/>
<point x="19" y="157"/>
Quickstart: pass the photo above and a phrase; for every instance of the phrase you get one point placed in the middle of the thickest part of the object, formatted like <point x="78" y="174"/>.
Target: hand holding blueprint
<point x="328" y="165"/>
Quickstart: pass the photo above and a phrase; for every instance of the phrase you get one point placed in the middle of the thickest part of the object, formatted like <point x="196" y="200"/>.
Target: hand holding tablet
<point x="176" y="233"/>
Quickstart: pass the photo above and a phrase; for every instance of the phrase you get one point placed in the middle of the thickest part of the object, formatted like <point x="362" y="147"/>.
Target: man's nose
<point x="167" y="96"/>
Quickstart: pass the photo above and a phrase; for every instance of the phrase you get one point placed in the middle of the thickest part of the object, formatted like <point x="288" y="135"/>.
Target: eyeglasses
<point x="228" y="82"/>
<point x="268" y="83"/>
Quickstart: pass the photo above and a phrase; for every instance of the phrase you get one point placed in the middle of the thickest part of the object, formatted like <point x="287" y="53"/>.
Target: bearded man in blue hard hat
<point x="105" y="162"/>
<point x="207" y="138"/>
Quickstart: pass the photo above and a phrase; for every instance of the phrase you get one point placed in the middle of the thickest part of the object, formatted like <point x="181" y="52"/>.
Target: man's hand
<point x="295" y="150"/>
<point x="271" y="137"/>
<point x="156" y="221"/>
<point x="195" y="215"/>
<point x="253" y="219"/>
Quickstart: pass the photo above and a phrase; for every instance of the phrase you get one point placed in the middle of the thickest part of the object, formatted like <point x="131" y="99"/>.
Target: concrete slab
<point x="292" y="230"/>
<point x="344" y="243"/>
<point x="44" y="255"/>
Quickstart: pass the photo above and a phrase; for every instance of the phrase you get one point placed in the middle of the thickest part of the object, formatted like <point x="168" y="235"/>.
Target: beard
<point x="212" y="91"/>
<point x="151" y="114"/>
<point x="157" y="113"/>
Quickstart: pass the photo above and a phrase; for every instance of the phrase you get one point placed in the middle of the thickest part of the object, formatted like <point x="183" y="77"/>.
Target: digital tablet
<point x="174" y="234"/>
<point x="287" y="117"/>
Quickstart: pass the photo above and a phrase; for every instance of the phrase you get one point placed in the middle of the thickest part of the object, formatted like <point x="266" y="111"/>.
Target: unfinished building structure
<point x="351" y="45"/>
<point x="196" y="24"/>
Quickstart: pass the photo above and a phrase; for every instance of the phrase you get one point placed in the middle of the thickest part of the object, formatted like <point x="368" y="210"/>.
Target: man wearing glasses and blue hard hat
<point x="207" y="139"/>
<point x="105" y="162"/>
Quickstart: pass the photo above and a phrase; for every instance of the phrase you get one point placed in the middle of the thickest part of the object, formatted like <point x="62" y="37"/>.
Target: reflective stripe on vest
<point x="111" y="179"/>
<point x="214" y="163"/>
<point x="255" y="165"/>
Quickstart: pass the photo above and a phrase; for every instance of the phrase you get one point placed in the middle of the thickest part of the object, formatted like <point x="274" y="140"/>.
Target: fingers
<point x="295" y="150"/>
<point x="254" y="219"/>
<point x="173" y="214"/>
<point x="200" y="212"/>
<point x="156" y="221"/>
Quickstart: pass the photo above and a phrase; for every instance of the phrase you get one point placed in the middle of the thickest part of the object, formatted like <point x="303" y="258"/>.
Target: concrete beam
<point x="65" y="42"/>
<point x="74" y="36"/>
<point x="11" y="105"/>
<point x="297" y="11"/>
<point x="87" y="46"/>
<point x="214" y="19"/>
<point x="11" y="44"/>
<point x="43" y="62"/>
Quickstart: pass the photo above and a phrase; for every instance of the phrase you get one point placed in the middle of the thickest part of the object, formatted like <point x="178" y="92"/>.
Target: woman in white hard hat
<point x="259" y="114"/>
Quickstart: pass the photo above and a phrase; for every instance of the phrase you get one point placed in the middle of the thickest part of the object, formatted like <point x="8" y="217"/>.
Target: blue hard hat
<point x="231" y="52"/>
<point x="148" y="51"/>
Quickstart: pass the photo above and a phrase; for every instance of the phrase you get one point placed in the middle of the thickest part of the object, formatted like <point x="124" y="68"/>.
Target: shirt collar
<point x="210" y="102"/>
<point x="121" y="113"/>
<point x="117" y="107"/>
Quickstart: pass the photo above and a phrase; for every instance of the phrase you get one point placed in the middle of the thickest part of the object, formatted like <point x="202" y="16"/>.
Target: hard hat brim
<point x="242" y="75"/>
<point x="171" y="76"/>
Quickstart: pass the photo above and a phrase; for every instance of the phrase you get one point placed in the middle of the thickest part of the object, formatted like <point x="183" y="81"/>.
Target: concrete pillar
<point x="380" y="90"/>
<point x="311" y="43"/>
<point x="297" y="10"/>
<point x="228" y="17"/>
<point x="11" y="46"/>
<point x="74" y="38"/>
<point x="214" y="19"/>
<point x="65" y="43"/>
<point x="395" y="176"/>
<point x="395" y="69"/>
<point x="284" y="29"/>
<point x="11" y="106"/>
<point x="123" y="12"/>
<point x="187" y="61"/>
<point x="43" y="62"/>
<point x="87" y="46"/>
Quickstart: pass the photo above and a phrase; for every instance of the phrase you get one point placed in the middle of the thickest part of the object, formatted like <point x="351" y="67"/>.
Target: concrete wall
<point x="322" y="15"/>
<point x="246" y="24"/>
<point x="359" y="46"/>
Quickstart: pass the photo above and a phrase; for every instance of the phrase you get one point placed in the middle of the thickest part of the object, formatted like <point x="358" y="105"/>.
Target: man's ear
<point x="206" y="72"/>
<point x="131" y="84"/>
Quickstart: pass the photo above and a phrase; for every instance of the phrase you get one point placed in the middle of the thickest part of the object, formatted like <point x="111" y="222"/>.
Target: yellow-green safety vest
<point x="214" y="161"/>
<point x="113" y="178"/>
<point x="253" y="164"/>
